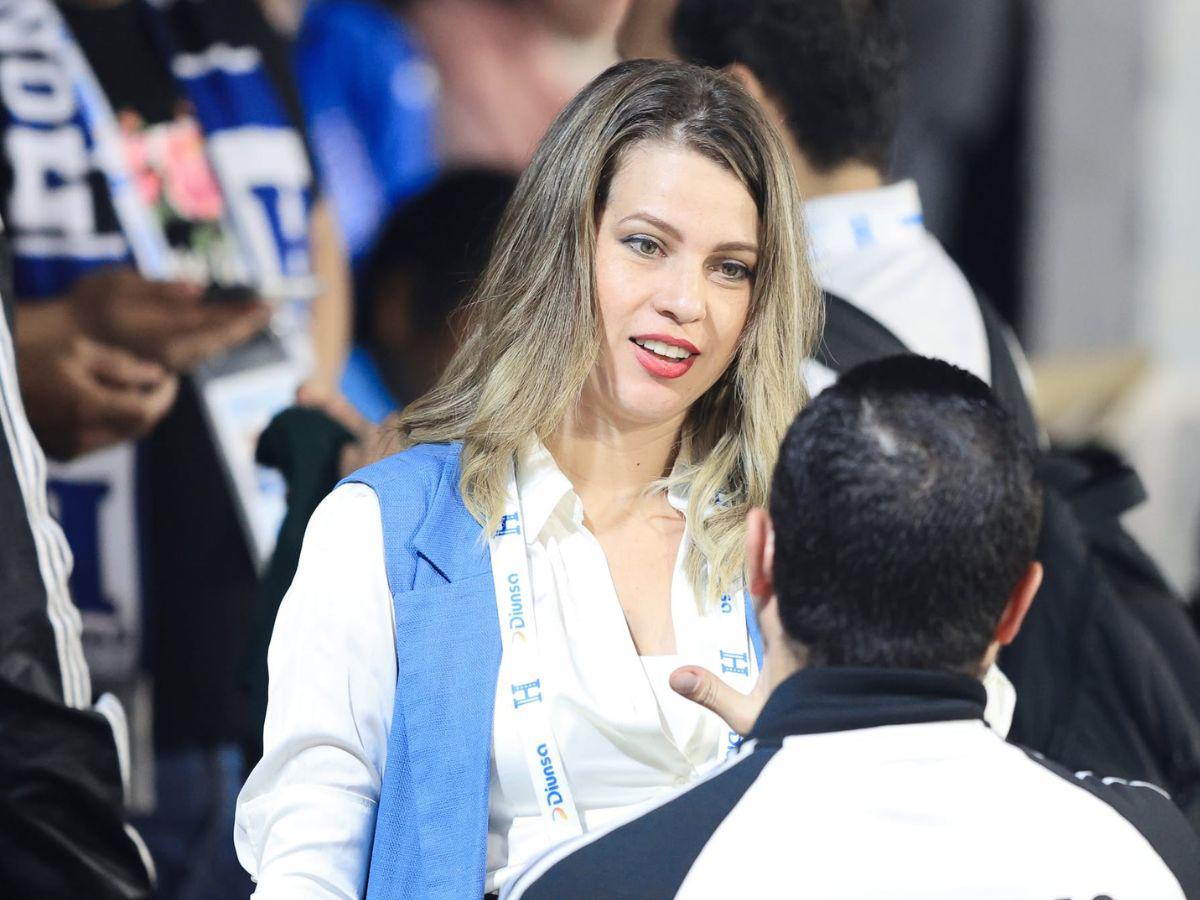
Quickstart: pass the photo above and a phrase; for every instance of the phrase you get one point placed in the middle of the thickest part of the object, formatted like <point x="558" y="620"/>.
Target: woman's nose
<point x="681" y="296"/>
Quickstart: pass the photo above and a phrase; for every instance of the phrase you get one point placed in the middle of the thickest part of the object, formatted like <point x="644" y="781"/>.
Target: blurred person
<point x="506" y="67"/>
<point x="896" y="559"/>
<point x="427" y="259"/>
<point x="607" y="421"/>
<point x="370" y="100"/>
<point x="284" y="15"/>
<point x="64" y="756"/>
<point x="160" y="205"/>
<point x="395" y="89"/>
<point x="1106" y="671"/>
<point x="645" y="31"/>
<point x="964" y="139"/>
<point x="829" y="72"/>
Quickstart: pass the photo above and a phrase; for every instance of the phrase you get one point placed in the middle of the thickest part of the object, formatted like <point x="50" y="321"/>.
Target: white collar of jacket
<point x="846" y="223"/>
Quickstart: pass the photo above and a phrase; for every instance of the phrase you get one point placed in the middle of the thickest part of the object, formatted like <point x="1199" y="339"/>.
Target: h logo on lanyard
<point x="510" y="523"/>
<point x="738" y="663"/>
<point x="531" y="692"/>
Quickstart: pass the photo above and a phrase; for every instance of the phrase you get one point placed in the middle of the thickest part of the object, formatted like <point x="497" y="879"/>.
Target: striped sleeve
<point x="62" y="828"/>
<point x="40" y="646"/>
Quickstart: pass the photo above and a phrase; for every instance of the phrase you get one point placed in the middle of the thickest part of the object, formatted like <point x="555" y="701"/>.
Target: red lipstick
<point x="662" y="366"/>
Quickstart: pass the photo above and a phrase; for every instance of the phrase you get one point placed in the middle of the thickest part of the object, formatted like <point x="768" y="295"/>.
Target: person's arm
<point x="331" y="313"/>
<point x="306" y="816"/>
<point x="168" y="322"/>
<point x="98" y="364"/>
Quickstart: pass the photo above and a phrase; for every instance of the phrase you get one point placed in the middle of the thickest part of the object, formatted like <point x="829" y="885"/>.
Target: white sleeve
<point x="306" y="815"/>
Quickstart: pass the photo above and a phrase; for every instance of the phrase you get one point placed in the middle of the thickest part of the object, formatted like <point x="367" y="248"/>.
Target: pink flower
<point x="191" y="188"/>
<point x="137" y="158"/>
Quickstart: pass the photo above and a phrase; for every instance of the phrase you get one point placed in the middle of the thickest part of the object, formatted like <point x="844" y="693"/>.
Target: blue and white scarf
<point x="70" y="185"/>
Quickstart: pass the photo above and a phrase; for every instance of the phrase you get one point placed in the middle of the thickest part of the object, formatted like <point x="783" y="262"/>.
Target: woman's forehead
<point x="685" y="188"/>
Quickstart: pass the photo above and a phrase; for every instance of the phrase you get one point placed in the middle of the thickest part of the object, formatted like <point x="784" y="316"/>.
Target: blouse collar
<point x="545" y="492"/>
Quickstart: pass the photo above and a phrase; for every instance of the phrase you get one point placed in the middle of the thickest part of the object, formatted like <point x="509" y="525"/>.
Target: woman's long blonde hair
<point x="538" y="291"/>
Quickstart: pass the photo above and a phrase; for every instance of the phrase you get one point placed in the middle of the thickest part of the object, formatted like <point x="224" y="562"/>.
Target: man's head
<point x="427" y="258"/>
<point x="828" y="70"/>
<point x="905" y="512"/>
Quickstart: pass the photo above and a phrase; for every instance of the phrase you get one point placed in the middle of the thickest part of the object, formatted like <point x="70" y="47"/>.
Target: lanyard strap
<point x="738" y="664"/>
<point x="522" y="666"/>
<point x="145" y="235"/>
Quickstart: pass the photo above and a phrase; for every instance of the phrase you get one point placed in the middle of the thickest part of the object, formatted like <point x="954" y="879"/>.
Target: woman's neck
<point x="619" y="463"/>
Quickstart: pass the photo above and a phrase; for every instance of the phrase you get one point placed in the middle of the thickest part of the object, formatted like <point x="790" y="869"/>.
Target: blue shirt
<point x="369" y="96"/>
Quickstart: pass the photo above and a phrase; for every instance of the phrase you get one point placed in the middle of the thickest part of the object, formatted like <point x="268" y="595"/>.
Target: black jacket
<point x="62" y="828"/>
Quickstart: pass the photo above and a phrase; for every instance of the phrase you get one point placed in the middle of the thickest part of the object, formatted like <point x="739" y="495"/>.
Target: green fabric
<point x="305" y="445"/>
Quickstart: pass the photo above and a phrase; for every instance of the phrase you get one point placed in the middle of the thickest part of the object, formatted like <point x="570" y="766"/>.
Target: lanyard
<point x="518" y="630"/>
<point x="527" y="687"/>
<point x="146" y="239"/>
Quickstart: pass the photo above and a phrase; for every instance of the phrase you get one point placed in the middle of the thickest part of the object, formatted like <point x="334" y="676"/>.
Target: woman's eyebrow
<point x="650" y="219"/>
<point x="673" y="232"/>
<point x="736" y="245"/>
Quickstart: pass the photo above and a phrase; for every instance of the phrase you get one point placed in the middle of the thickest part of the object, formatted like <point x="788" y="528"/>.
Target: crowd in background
<point x="382" y="140"/>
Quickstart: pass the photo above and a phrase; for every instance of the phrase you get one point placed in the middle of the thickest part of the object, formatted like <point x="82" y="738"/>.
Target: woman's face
<point x="676" y="251"/>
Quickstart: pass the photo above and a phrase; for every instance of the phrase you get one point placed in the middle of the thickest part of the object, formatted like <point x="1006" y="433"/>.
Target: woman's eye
<point x="643" y="245"/>
<point x="735" y="271"/>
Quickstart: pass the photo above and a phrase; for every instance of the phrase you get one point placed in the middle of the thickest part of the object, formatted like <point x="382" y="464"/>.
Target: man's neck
<point x="783" y="660"/>
<point x="606" y="460"/>
<point x="841" y="179"/>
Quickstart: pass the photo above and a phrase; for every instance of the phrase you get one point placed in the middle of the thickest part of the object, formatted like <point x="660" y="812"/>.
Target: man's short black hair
<point x="833" y="66"/>
<point x="440" y="240"/>
<point x="906" y="510"/>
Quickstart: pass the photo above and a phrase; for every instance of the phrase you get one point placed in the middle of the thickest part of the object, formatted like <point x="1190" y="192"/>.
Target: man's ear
<point x="760" y="556"/>
<point x="1018" y="605"/>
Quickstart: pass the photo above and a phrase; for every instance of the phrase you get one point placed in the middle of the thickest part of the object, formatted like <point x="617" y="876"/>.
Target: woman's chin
<point x="649" y="408"/>
<point x="639" y="402"/>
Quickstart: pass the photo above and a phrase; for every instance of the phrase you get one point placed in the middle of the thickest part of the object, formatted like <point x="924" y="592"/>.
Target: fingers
<point x="119" y="369"/>
<point x="128" y="412"/>
<point x="738" y="710"/>
<point x="210" y="332"/>
<point x="177" y="294"/>
<point x="115" y="403"/>
<point x="335" y="405"/>
<point x="167" y="321"/>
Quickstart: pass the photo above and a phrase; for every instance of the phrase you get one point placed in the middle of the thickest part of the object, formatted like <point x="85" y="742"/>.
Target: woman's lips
<point x="661" y="366"/>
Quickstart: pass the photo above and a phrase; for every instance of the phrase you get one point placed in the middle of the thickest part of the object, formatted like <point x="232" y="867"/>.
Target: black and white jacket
<point x="862" y="783"/>
<point x="62" y="832"/>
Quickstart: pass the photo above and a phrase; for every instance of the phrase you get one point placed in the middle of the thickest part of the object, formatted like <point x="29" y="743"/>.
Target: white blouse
<point x="306" y="815"/>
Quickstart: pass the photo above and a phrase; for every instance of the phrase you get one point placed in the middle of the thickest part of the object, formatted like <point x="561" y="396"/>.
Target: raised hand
<point x="168" y="322"/>
<point x="81" y="395"/>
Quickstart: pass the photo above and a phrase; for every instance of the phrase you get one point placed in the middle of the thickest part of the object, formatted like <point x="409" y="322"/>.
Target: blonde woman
<point x="473" y="659"/>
